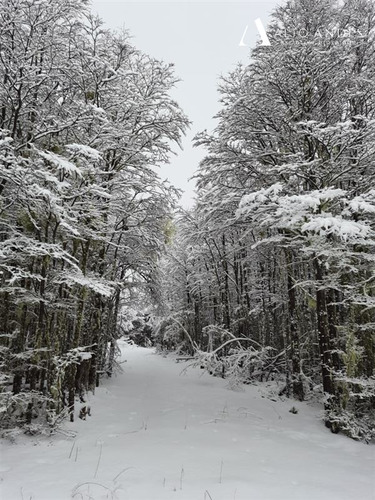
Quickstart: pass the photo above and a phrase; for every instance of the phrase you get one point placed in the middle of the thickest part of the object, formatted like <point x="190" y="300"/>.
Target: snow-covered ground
<point x="156" y="433"/>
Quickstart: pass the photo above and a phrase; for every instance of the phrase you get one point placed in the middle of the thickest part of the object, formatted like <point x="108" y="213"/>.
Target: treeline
<point x="273" y="270"/>
<point x="84" y="120"/>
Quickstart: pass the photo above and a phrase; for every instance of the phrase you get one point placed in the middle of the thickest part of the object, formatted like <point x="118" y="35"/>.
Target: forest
<point x="272" y="272"/>
<point x="84" y="118"/>
<point x="270" y="276"/>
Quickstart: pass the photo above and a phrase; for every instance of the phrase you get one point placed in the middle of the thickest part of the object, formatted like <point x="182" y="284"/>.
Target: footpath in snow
<point x="156" y="433"/>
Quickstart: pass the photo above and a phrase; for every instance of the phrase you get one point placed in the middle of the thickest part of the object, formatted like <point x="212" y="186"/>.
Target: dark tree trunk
<point x="332" y="400"/>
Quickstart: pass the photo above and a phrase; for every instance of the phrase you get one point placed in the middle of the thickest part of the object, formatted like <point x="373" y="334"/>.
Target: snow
<point x="84" y="150"/>
<point x="337" y="226"/>
<point x="158" y="431"/>
<point x="77" y="277"/>
<point x="85" y="355"/>
<point x="363" y="203"/>
<point x="60" y="162"/>
<point x="261" y="196"/>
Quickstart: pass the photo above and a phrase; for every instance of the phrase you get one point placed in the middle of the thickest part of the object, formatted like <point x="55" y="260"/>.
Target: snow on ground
<point x="156" y="433"/>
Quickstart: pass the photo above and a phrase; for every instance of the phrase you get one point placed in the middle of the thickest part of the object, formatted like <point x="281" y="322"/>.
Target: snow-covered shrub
<point x="214" y="336"/>
<point x="209" y="361"/>
<point x="35" y="411"/>
<point x="171" y="335"/>
<point x="358" y="427"/>
<point x="355" y="415"/>
<point x="244" y="365"/>
<point x="24" y="410"/>
<point x="140" y="330"/>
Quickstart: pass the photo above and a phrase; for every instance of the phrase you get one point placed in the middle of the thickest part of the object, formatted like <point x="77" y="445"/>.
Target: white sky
<point x="202" y="39"/>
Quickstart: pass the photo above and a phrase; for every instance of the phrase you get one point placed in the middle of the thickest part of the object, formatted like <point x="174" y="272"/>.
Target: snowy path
<point x="155" y="434"/>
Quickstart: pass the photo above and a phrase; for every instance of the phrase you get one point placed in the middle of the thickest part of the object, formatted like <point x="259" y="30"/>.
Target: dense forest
<point x="85" y="118"/>
<point x="272" y="273"/>
<point x="269" y="276"/>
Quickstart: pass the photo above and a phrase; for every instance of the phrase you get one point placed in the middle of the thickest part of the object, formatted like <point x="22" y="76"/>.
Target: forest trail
<point x="158" y="432"/>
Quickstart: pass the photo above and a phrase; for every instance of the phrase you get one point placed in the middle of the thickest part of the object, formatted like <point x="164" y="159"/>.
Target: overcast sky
<point x="202" y="39"/>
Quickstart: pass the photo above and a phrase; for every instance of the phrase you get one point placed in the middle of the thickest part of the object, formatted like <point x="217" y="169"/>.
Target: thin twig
<point x="75" y="492"/>
<point x="119" y="474"/>
<point x="221" y="471"/>
<point x="100" y="456"/>
<point x="71" y="451"/>
<point x="181" y="477"/>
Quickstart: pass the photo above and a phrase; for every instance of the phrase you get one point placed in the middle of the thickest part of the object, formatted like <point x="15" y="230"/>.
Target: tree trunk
<point x="332" y="401"/>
